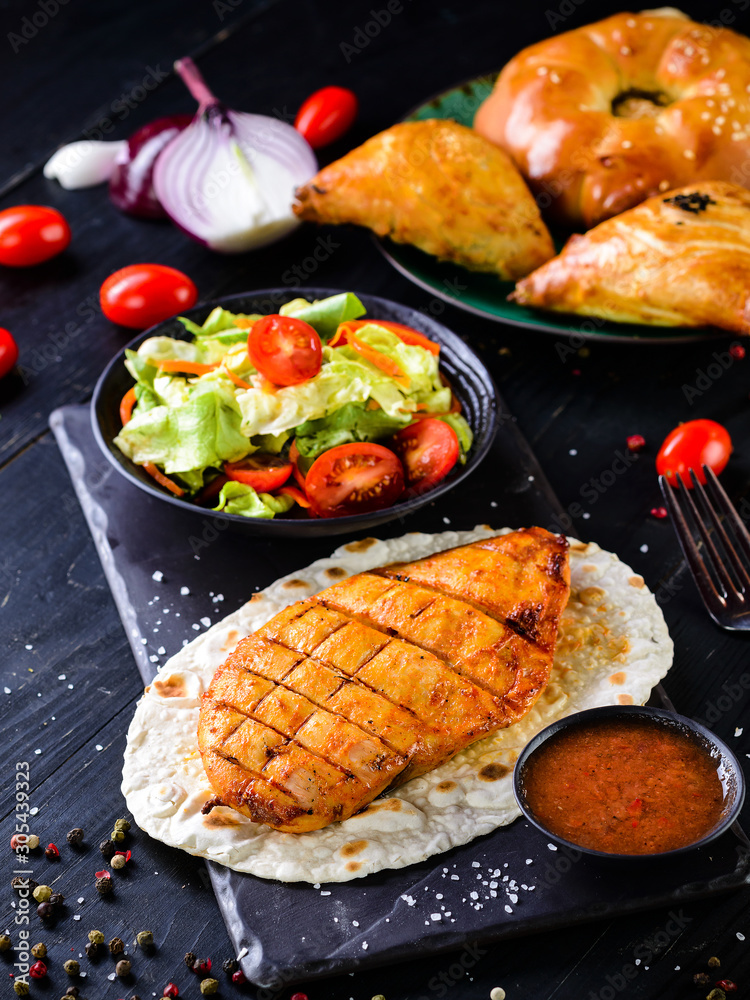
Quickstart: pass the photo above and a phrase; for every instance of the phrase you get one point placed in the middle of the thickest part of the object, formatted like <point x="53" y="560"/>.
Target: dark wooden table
<point x="70" y="684"/>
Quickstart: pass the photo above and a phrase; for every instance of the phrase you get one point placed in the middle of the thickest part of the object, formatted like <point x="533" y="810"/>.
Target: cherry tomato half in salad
<point x="405" y="333"/>
<point x="354" y="479"/>
<point x="8" y="352"/>
<point x="31" y="234"/>
<point x="691" y="445"/>
<point x="263" y="472"/>
<point x="285" y="350"/>
<point x="428" y="450"/>
<point x="326" y="115"/>
<point x="140" y="295"/>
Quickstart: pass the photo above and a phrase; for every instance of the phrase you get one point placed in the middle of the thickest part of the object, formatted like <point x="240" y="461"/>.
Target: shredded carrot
<point x="373" y="404"/>
<point x="163" y="480"/>
<point x="126" y="406"/>
<point x="241" y="383"/>
<point x="189" y="367"/>
<point x="297" y="495"/>
<point x="405" y="333"/>
<point x="379" y="359"/>
<point x="243" y="323"/>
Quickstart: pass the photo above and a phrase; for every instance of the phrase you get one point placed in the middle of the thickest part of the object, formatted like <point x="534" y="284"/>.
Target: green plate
<point x="484" y="294"/>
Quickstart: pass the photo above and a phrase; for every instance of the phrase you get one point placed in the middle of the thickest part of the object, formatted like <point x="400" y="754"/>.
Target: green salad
<point x="237" y="416"/>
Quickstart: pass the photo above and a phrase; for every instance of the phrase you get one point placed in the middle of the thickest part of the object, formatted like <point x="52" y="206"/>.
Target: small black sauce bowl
<point x="469" y="379"/>
<point x="730" y="772"/>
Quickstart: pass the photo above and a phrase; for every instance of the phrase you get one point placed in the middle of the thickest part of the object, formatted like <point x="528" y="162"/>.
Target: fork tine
<point x="729" y="511"/>
<point x="740" y="570"/>
<point x="706" y="588"/>
<point x="712" y="557"/>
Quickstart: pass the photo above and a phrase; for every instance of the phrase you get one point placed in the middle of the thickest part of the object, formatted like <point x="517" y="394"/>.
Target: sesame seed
<point x="630" y="22"/>
<point x="626" y="144"/>
<point x="721" y="73"/>
<point x="689" y="50"/>
<point x="720" y="120"/>
<point x="738" y="135"/>
<point x="663" y="185"/>
<point x="542" y="71"/>
<point x="688" y="154"/>
<point x="716" y="130"/>
<point x="554" y="77"/>
<point x="625" y="50"/>
<point x="705" y="116"/>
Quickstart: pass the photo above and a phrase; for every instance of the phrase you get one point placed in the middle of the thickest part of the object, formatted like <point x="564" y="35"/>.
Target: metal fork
<point x="720" y="560"/>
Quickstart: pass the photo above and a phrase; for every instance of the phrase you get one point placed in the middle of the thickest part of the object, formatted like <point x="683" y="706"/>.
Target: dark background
<point x="79" y="73"/>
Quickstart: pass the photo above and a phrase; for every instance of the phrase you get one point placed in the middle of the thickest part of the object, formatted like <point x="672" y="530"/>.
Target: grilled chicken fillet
<point x="381" y="678"/>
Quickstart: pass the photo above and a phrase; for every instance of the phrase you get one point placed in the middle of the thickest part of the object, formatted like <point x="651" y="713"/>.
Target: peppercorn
<point x="145" y="939"/>
<point x="299" y="996"/>
<point x="118" y="862"/>
<point x="21" y="988"/>
<point x="5" y="942"/>
<point x="32" y="842"/>
<point x="239" y="977"/>
<point x="39" y="950"/>
<point x="727" y="985"/>
<point x="72" y="967"/>
<point x="202" y="966"/>
<point x="72" y="991"/>
<point x="94" y="951"/>
<point x="107" y="848"/>
<point x="103" y="885"/>
<point x="190" y="959"/>
<point x="229" y="966"/>
<point x="379" y="997"/>
<point x="117" y="836"/>
<point x="38" y="970"/>
<point x="96" y="937"/>
<point x="21" y="883"/>
<point x="116" y="947"/>
<point x="51" y="852"/>
<point x="171" y="990"/>
<point x="714" y="962"/>
<point x="716" y="995"/>
<point x="57" y="899"/>
<point x="209" y="986"/>
<point x="122" y="824"/>
<point x="701" y="979"/>
<point x="635" y="442"/>
<point x="737" y="351"/>
<point x="42" y="893"/>
<point x="123" y="967"/>
<point x="134" y="997"/>
<point x="75" y="836"/>
<point x="46" y="910"/>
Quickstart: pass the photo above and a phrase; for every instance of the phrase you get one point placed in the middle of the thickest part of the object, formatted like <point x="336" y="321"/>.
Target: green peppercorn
<point x="714" y="962"/>
<point x="122" y="824"/>
<point x="5" y="943"/>
<point x="72" y="967"/>
<point x="209" y="986"/>
<point x="103" y="885"/>
<point x="21" y="988"/>
<point x="39" y="950"/>
<point x="190" y="959"/>
<point x="145" y="939"/>
<point x="116" y="947"/>
<point x="379" y="996"/>
<point x="32" y="842"/>
<point x="117" y="862"/>
<point x="230" y="966"/>
<point x="717" y="995"/>
<point x="117" y="836"/>
<point x="107" y="848"/>
<point x="96" y="937"/>
<point x="123" y="967"/>
<point x="75" y="836"/>
<point x="42" y="893"/>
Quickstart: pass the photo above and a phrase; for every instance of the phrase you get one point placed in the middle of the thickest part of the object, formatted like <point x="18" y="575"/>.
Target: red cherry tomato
<point x="405" y="333"/>
<point x="8" y="352"/>
<point x="141" y="295"/>
<point x="263" y="472"/>
<point x="428" y="450"/>
<point x="31" y="234"/>
<point x="326" y="115"/>
<point x="354" y="479"/>
<point x="285" y="350"/>
<point x="691" y="445"/>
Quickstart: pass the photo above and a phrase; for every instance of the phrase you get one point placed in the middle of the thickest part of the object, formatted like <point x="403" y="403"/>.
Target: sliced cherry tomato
<point x="326" y="115"/>
<point x="428" y="450"/>
<point x="141" y="295"/>
<point x="285" y="350"/>
<point x="300" y="465"/>
<point x="297" y="495"/>
<point x="691" y="445"/>
<point x="405" y="333"/>
<point x="211" y="490"/>
<point x="354" y="479"/>
<point x="31" y="234"/>
<point x="263" y="472"/>
<point x="8" y="352"/>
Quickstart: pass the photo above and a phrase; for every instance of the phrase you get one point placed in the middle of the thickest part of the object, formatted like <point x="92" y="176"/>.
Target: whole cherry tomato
<point x="31" y="234"/>
<point x="8" y="352"/>
<point x="326" y="115"/>
<point x="691" y="445"/>
<point x="141" y="295"/>
<point x="354" y="479"/>
<point x="285" y="350"/>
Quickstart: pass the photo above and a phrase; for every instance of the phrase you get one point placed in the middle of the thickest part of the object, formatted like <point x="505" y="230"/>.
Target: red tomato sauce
<point x="625" y="787"/>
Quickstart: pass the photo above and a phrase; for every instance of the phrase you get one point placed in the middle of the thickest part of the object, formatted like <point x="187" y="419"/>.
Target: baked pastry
<point x="443" y="188"/>
<point x="381" y="678"/>
<point x="602" y="117"/>
<point x="679" y="259"/>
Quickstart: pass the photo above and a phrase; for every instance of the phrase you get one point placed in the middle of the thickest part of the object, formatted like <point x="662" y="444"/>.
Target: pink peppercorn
<point x="299" y="996"/>
<point x="660" y="512"/>
<point x="737" y="351"/>
<point x="171" y="990"/>
<point x="38" y="970"/>
<point x="239" y="977"/>
<point x="636" y="442"/>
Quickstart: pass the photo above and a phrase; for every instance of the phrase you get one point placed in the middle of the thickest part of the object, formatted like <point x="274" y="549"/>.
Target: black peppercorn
<point x="230" y="966"/>
<point x="94" y="951"/>
<point x="20" y="882"/>
<point x="123" y="967"/>
<point x="46" y="910"/>
<point x="103" y="885"/>
<point x="57" y="899"/>
<point x="107" y="848"/>
<point x="701" y="979"/>
<point x="75" y="836"/>
<point x="116" y="946"/>
<point x="190" y="960"/>
<point x="72" y="991"/>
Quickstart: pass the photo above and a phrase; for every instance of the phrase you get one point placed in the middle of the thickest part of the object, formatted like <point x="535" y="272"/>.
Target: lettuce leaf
<point x="237" y="498"/>
<point x="463" y="433"/>
<point x="219" y="324"/>
<point x="325" y="315"/>
<point x="353" y="422"/>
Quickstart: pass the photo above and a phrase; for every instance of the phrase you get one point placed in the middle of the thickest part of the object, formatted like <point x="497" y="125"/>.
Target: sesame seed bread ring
<point x="602" y="117"/>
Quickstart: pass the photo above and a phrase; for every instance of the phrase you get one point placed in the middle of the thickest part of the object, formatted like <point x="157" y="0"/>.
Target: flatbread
<point x="613" y="648"/>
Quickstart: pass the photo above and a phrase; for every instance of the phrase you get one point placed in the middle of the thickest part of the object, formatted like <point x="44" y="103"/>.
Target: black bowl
<point x="730" y="772"/>
<point x="469" y="379"/>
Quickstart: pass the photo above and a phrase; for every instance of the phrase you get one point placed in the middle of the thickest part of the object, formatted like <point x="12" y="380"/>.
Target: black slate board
<point x="294" y="932"/>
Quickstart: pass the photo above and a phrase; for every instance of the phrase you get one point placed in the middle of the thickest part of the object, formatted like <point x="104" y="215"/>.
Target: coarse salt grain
<point x="644" y="547"/>
<point x="157" y="576"/>
<point x="740" y="936"/>
<point x="99" y="747"/>
<point x="206" y="621"/>
<point x="738" y="731"/>
<point x="184" y="591"/>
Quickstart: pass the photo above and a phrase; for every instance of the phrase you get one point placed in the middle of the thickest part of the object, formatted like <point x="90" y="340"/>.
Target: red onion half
<point x="131" y="184"/>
